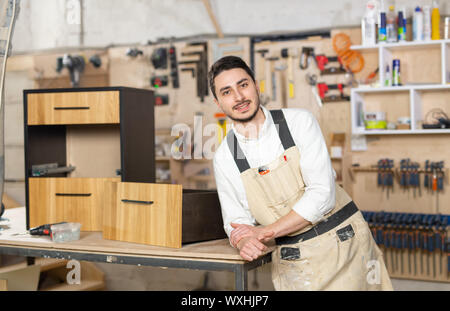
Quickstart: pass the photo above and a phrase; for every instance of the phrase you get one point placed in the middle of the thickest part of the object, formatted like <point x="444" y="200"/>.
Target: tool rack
<point x="414" y="245"/>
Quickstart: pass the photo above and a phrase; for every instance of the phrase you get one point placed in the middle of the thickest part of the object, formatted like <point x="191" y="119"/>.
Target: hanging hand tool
<point x="261" y="71"/>
<point x="133" y="52"/>
<point x="290" y="54"/>
<point x="271" y="81"/>
<point x="438" y="236"/>
<point x="398" y="242"/>
<point x="426" y="181"/>
<point x="200" y="78"/>
<point x="159" y="81"/>
<point x="174" y="67"/>
<point x="431" y="243"/>
<point x="418" y="239"/>
<point x="322" y="61"/>
<point x="282" y="68"/>
<point x="440" y="176"/>
<point x="385" y="177"/>
<point x="159" y="58"/>
<point x="323" y="88"/>
<point x="202" y="68"/>
<point x="387" y="237"/>
<point x="379" y="218"/>
<point x="311" y="79"/>
<point x="222" y="126"/>
<point x="202" y="72"/>
<point x="447" y="247"/>
<point x="188" y="69"/>
<point x="426" y="241"/>
<point x="371" y="77"/>
<point x="410" y="242"/>
<point x="75" y="65"/>
<point x="306" y="55"/>
<point x="161" y="99"/>
<point x="404" y="173"/>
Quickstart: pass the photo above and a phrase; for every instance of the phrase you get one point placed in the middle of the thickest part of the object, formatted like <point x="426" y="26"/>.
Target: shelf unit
<point x="412" y="99"/>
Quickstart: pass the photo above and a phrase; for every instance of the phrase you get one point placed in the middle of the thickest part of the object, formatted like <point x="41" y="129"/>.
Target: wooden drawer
<point x="144" y="213"/>
<point x="68" y="199"/>
<point x="93" y="107"/>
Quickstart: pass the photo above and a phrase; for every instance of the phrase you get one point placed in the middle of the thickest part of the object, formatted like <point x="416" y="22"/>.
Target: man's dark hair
<point x="226" y="63"/>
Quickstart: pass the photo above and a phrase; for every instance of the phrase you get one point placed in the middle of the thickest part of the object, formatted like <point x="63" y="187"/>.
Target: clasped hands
<point x="250" y="240"/>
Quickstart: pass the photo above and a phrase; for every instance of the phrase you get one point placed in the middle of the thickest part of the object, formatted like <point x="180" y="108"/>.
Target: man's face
<point x="237" y="94"/>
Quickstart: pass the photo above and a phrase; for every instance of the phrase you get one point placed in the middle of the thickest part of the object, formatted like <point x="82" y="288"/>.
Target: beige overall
<point x="344" y="258"/>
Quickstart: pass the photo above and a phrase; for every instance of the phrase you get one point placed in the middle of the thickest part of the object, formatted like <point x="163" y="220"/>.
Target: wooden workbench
<point x="216" y="255"/>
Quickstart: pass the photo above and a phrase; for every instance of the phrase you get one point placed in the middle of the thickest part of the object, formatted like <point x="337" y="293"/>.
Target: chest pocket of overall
<point x="280" y="184"/>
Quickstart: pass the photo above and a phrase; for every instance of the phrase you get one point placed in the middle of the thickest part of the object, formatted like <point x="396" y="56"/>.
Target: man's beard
<point x="248" y="119"/>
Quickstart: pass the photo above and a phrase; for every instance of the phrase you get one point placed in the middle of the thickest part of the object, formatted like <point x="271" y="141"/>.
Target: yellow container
<point x="435" y="21"/>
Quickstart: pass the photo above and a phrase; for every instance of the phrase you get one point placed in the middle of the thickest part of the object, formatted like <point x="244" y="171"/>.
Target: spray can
<point x="435" y="21"/>
<point x="426" y="22"/>
<point x="404" y="21"/>
<point x="382" y="27"/>
<point x="418" y="24"/>
<point x="396" y="72"/>
<point x="401" y="29"/>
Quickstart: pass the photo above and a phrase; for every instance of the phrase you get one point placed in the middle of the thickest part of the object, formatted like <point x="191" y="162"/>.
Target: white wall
<point x="47" y="24"/>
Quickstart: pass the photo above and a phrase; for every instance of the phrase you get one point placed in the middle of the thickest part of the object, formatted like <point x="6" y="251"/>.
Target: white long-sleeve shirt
<point x="315" y="164"/>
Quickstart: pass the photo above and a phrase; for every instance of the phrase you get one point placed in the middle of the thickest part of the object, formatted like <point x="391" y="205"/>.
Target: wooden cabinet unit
<point x="103" y="140"/>
<point x="102" y="133"/>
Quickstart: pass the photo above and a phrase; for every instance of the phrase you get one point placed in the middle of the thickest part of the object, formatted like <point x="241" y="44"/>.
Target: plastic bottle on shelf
<point x="388" y="77"/>
<point x="382" y="24"/>
<point x="368" y="24"/>
<point x="426" y="22"/>
<point x="435" y="21"/>
<point x="401" y="29"/>
<point x="391" y="28"/>
<point x="418" y="25"/>
<point x="404" y="21"/>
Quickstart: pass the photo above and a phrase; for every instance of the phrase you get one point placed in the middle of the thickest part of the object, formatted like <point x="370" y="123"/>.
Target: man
<point x="275" y="183"/>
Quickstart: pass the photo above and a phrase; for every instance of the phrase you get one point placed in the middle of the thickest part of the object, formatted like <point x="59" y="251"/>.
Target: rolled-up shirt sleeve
<point x="319" y="197"/>
<point x="232" y="208"/>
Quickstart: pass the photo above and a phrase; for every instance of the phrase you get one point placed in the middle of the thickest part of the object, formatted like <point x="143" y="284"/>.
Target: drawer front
<point x="73" y="108"/>
<point x="68" y="199"/>
<point x="144" y="213"/>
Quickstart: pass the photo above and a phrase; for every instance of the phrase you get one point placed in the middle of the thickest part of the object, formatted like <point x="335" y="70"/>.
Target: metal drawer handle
<point x="71" y="108"/>
<point x="137" y="202"/>
<point x="73" y="194"/>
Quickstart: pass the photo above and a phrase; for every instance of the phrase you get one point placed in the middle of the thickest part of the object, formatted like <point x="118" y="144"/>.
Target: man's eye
<point x="245" y="84"/>
<point x="225" y="93"/>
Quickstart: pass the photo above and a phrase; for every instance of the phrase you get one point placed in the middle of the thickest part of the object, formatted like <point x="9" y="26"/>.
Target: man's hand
<point x="251" y="248"/>
<point x="242" y="230"/>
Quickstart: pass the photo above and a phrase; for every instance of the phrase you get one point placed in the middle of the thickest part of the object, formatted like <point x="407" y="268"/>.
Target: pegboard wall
<point x="290" y="89"/>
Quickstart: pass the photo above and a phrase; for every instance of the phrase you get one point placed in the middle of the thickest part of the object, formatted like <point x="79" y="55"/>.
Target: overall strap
<point x="236" y="151"/>
<point x="282" y="128"/>
<point x="283" y="132"/>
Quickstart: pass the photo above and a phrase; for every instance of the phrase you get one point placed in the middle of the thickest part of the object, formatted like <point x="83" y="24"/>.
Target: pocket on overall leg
<point x="292" y="272"/>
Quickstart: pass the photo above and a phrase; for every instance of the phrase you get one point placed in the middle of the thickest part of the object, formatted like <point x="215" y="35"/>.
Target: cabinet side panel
<point x="137" y="132"/>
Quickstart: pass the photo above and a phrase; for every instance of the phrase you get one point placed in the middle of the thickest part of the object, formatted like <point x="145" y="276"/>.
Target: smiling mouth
<point x="242" y="107"/>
